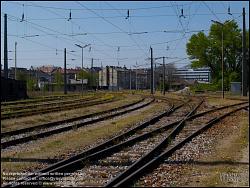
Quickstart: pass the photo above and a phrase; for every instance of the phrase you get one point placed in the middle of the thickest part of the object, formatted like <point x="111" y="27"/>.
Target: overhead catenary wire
<point x="53" y="12"/>
<point x="68" y="36"/>
<point x="128" y="17"/>
<point x="103" y="9"/>
<point x="111" y="33"/>
<point x="211" y="10"/>
<point x="106" y="21"/>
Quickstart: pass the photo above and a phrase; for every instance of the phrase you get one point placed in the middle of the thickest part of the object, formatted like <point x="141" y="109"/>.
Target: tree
<point x="21" y="76"/>
<point x="58" y="80"/>
<point x="82" y="75"/>
<point x="90" y="76"/>
<point x="206" y="51"/>
<point x="30" y="80"/>
<point x="31" y="84"/>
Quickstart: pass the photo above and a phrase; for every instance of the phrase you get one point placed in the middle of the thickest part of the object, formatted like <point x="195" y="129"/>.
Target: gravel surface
<point x="30" y="147"/>
<point x="174" y="171"/>
<point x="103" y="170"/>
<point x="72" y="124"/>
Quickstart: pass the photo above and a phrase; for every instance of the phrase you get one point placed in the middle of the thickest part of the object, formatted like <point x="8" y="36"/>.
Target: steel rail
<point x="40" y="99"/>
<point x="155" y="151"/>
<point x="110" y="142"/>
<point x="67" y="128"/>
<point x="127" y="180"/>
<point x="14" y="108"/>
<point x="100" y="153"/>
<point x="102" y="146"/>
<point x="54" y="109"/>
<point x="51" y="124"/>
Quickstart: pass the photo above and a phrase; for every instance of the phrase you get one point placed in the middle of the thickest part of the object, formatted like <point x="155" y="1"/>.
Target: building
<point x="199" y="74"/>
<point x="114" y="78"/>
<point x="117" y="78"/>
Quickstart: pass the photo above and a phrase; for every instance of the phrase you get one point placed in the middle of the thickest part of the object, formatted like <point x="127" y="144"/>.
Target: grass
<point x="228" y="149"/>
<point x="41" y="98"/>
<point x="55" y="104"/>
<point x="44" y="101"/>
<point x="220" y="102"/>
<point x="58" y="145"/>
<point x="22" y="122"/>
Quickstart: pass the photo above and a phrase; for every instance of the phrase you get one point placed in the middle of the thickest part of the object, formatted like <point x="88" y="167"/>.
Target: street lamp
<point x="222" y="53"/>
<point x="82" y="47"/>
<point x="222" y="56"/>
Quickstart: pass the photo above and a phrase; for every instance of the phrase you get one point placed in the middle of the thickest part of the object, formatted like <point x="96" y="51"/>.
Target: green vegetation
<point x="206" y="87"/>
<point x="92" y="77"/>
<point x="77" y="140"/>
<point x="58" y="80"/>
<point x="206" y="51"/>
<point x="30" y="81"/>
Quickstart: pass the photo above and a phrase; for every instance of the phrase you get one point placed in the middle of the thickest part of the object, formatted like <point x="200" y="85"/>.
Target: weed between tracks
<point x="23" y="122"/>
<point x="228" y="151"/>
<point x="63" y="145"/>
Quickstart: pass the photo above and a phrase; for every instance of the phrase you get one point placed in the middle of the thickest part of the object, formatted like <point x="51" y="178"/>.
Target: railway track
<point x="39" y="99"/>
<point x="51" y="124"/>
<point x="99" y="164"/>
<point x="46" y="104"/>
<point x="193" y="126"/>
<point x="103" y="166"/>
<point x="30" y="112"/>
<point x="115" y="139"/>
<point x="33" y="133"/>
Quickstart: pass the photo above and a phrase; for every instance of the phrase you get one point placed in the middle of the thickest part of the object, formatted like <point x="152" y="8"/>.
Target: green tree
<point x="206" y="51"/>
<point x="90" y="76"/>
<point x="58" y="80"/>
<point x="82" y="75"/>
<point x="31" y="84"/>
<point x="30" y="80"/>
<point x="21" y="76"/>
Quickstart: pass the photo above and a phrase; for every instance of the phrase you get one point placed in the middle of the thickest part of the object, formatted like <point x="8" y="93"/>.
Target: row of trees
<point x="205" y="50"/>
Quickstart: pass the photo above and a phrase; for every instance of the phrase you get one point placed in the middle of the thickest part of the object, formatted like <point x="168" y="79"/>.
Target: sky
<point x="119" y="32"/>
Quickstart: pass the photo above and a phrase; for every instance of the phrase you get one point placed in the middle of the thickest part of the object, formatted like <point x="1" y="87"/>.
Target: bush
<point x="206" y="87"/>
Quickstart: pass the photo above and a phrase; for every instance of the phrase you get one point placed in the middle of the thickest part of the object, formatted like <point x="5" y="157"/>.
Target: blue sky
<point x="46" y="30"/>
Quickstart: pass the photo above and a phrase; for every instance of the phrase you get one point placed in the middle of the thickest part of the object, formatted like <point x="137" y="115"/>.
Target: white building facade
<point x="199" y="74"/>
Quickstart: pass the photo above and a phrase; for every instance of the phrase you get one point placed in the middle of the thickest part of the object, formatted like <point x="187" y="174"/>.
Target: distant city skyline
<point x="119" y="32"/>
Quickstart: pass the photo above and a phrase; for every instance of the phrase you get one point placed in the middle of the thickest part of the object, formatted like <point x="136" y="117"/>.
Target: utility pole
<point x="5" y="48"/>
<point x="15" y="59"/>
<point x="163" y="75"/>
<point x="92" y="79"/>
<point x="130" y="79"/>
<point x="82" y="72"/>
<point x="152" y="72"/>
<point x="222" y="62"/>
<point x="82" y="61"/>
<point x="112" y="77"/>
<point x="155" y="78"/>
<point x="136" y="79"/>
<point x="65" y="79"/>
<point x="102" y="72"/>
<point x="244" y="62"/>
<point x="222" y="55"/>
